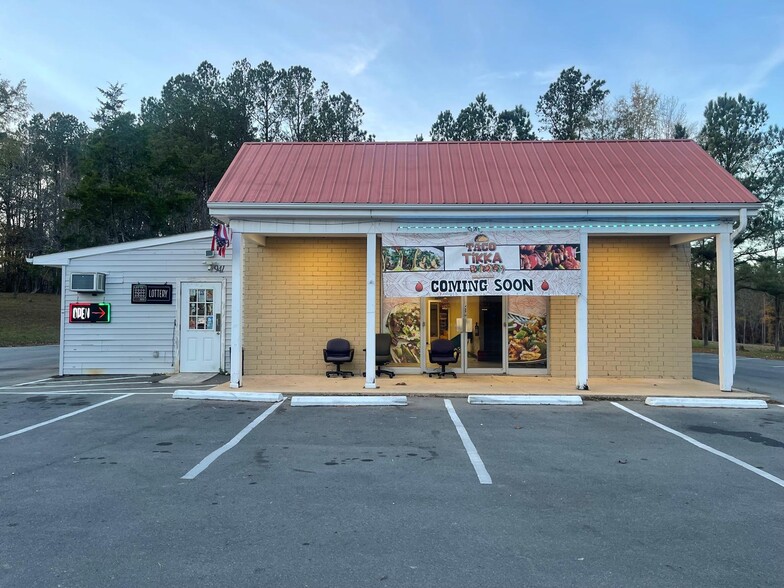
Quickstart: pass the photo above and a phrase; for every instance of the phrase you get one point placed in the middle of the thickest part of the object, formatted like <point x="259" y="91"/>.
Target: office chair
<point x="443" y="352"/>
<point x="383" y="354"/>
<point x="338" y="351"/>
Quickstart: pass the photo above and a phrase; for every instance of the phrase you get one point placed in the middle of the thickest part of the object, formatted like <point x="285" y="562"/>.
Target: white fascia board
<point x="678" y="239"/>
<point x="64" y="257"/>
<point x="252" y="211"/>
<point x="323" y="226"/>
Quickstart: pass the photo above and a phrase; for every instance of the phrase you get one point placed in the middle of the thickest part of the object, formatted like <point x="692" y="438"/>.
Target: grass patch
<point x="748" y="350"/>
<point x="29" y="319"/>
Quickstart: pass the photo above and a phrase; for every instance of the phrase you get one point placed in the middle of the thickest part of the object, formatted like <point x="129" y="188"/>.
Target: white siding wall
<point x="128" y="344"/>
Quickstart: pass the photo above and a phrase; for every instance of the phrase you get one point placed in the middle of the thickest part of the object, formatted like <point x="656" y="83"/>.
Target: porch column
<point x="370" y="319"/>
<point x="725" y="285"/>
<point x="237" y="296"/>
<point x="581" y="330"/>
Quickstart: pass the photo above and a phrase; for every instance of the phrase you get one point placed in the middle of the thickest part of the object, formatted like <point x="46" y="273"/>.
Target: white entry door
<point x="200" y="327"/>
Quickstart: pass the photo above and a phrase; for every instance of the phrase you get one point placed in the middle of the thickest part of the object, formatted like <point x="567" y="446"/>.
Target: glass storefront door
<point x="442" y="317"/>
<point x="484" y="344"/>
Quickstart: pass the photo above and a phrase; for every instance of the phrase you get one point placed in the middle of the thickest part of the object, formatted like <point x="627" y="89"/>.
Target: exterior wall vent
<point x="94" y="283"/>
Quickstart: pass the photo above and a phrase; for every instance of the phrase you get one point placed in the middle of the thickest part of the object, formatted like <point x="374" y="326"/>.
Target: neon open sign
<point x="90" y="312"/>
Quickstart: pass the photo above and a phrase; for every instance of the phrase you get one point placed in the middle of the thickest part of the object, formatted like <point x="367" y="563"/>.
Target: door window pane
<point x="201" y="314"/>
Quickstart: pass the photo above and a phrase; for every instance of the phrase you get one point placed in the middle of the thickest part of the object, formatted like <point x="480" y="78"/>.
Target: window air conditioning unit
<point x="93" y="283"/>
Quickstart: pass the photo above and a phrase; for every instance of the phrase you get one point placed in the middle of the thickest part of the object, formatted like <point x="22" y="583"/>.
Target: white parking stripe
<point x="473" y="454"/>
<point x="57" y="383"/>
<point x="26" y="383"/>
<point x="91" y="393"/>
<point x="65" y="416"/>
<point x="39" y="392"/>
<point x="205" y="463"/>
<point x="75" y="384"/>
<point x="707" y="448"/>
<point x="69" y="379"/>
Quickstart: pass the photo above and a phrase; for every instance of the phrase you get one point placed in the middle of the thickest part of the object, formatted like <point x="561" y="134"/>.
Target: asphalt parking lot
<point x="387" y="496"/>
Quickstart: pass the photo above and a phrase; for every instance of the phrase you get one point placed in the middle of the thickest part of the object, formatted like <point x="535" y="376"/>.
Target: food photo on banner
<point x="402" y="319"/>
<point x="527" y="332"/>
<point x="514" y="263"/>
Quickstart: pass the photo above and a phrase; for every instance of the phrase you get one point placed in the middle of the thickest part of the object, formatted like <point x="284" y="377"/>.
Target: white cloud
<point x="501" y="75"/>
<point x="345" y="60"/>
<point x="760" y="72"/>
<point x="359" y="60"/>
<point x="547" y="76"/>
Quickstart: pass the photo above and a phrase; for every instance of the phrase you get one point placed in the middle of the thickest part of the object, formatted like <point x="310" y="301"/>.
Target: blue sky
<point x="404" y="61"/>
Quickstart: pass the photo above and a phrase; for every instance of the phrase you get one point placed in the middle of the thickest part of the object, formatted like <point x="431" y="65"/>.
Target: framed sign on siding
<point x="151" y="294"/>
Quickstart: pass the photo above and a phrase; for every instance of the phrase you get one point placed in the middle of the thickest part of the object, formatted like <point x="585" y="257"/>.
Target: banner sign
<point x="490" y="263"/>
<point x="151" y="294"/>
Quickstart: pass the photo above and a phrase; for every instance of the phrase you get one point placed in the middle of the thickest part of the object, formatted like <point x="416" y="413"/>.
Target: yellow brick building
<point x="542" y="258"/>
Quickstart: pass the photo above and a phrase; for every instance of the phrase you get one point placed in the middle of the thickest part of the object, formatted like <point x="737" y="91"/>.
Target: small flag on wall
<point x="221" y="238"/>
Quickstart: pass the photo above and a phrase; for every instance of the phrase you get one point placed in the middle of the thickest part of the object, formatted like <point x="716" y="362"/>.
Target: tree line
<point x="65" y="184"/>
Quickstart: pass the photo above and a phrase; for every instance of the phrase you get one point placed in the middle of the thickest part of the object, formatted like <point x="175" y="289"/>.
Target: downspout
<point x="743" y="221"/>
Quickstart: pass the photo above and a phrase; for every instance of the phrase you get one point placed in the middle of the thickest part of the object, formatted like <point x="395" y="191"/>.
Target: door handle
<point x="218" y="323"/>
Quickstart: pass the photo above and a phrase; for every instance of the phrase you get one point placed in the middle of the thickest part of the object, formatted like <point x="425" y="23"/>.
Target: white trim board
<point x="64" y="257"/>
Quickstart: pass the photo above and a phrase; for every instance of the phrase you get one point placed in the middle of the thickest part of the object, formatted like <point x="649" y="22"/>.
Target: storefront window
<point x="402" y="320"/>
<point x="527" y="332"/>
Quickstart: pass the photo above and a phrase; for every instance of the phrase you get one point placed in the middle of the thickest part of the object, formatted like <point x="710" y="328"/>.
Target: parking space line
<point x="707" y="448"/>
<point x="44" y="392"/>
<point x="92" y="393"/>
<point x="65" y="416"/>
<point x="76" y="385"/>
<point x="473" y="454"/>
<point x="205" y="463"/>
<point x="69" y="379"/>
<point x="26" y="383"/>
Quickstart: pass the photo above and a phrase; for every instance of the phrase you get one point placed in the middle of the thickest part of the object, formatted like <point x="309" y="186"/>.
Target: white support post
<point x="237" y="296"/>
<point x="725" y="284"/>
<point x="581" y="331"/>
<point x="370" y="319"/>
<point x="63" y="319"/>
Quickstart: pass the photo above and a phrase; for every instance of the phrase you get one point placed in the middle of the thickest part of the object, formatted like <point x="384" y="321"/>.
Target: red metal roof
<point x="478" y="173"/>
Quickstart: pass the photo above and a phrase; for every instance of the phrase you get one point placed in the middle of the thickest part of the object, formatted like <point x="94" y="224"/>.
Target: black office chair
<point x="338" y="351"/>
<point x="443" y="352"/>
<point x="383" y="354"/>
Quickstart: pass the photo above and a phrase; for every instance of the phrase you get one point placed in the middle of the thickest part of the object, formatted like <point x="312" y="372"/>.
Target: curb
<point x="566" y="400"/>
<point x="705" y="402"/>
<point x="349" y="401"/>
<point x="239" y="396"/>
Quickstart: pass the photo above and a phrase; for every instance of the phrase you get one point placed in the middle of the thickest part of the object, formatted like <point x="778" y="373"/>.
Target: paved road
<point x="765" y="376"/>
<point x="375" y="496"/>
<point x="25" y="364"/>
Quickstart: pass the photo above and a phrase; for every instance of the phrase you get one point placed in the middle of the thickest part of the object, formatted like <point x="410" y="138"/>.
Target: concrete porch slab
<point x="465" y="385"/>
